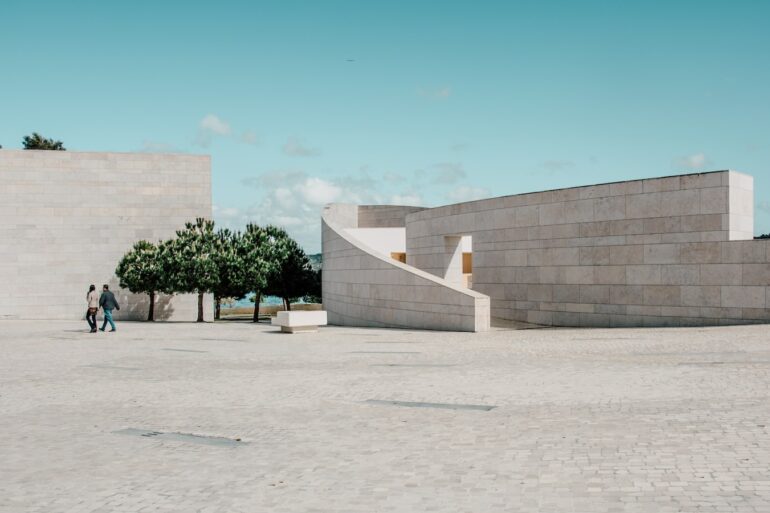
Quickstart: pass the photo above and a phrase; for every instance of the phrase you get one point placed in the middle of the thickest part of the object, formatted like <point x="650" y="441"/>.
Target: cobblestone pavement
<point x="624" y="420"/>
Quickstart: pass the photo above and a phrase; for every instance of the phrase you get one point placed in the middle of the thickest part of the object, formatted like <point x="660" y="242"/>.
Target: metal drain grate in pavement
<point x="445" y="406"/>
<point x="184" y="350"/>
<point x="183" y="437"/>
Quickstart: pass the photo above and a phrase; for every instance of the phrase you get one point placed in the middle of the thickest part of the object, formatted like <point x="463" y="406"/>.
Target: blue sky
<point x="300" y="103"/>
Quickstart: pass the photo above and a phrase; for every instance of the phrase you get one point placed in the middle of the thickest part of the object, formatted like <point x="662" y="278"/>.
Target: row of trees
<point x="225" y="263"/>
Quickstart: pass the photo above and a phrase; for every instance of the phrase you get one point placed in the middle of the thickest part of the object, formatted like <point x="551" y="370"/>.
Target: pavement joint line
<point x="183" y="350"/>
<point x="445" y="406"/>
<point x="748" y="362"/>
<point x="385" y="352"/>
<point x="116" y="367"/>
<point x="413" y="365"/>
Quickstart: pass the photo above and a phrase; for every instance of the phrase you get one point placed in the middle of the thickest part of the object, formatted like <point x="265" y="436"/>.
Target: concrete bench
<point x="299" y="321"/>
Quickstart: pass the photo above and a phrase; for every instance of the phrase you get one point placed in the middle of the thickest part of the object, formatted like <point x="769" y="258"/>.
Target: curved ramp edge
<point x="362" y="287"/>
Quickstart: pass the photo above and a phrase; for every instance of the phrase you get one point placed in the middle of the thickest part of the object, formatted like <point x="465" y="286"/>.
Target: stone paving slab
<point x="586" y="421"/>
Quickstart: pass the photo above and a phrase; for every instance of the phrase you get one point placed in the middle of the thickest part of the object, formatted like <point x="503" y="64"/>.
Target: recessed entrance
<point x="458" y="260"/>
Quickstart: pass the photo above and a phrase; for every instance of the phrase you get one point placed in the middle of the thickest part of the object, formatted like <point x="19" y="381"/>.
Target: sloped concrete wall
<point x="66" y="218"/>
<point x="362" y="287"/>
<point x="662" y="252"/>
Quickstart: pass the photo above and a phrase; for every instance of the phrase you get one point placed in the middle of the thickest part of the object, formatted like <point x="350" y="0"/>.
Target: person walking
<point x="108" y="303"/>
<point x="93" y="306"/>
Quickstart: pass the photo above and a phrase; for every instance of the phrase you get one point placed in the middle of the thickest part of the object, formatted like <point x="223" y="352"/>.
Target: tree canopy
<point x="192" y="264"/>
<point x="230" y="269"/>
<point x="292" y="276"/>
<point x="38" y="142"/>
<point x="142" y="271"/>
<point x="259" y="251"/>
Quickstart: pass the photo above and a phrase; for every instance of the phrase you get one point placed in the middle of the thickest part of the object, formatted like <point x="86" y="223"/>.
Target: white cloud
<point x="249" y="137"/>
<point x="158" y="147"/>
<point x="694" y="161"/>
<point x="467" y="193"/>
<point x="316" y="191"/>
<point x="393" y="178"/>
<point x="412" y="200"/>
<point x="448" y="173"/>
<point x="215" y="125"/>
<point x="208" y="128"/>
<point x="294" y="148"/>
<point x="212" y="126"/>
<point x="440" y="93"/>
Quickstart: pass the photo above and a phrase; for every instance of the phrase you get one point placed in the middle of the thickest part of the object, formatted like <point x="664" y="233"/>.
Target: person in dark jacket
<point x="108" y="303"/>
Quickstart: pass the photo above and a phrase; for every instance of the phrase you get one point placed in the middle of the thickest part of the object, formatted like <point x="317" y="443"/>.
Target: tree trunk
<point x="200" y="306"/>
<point x="287" y="304"/>
<point x="257" y="299"/>
<point x="218" y="308"/>
<point x="151" y="314"/>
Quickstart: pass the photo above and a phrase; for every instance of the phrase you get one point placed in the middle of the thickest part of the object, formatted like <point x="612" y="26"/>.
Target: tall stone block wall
<point x="667" y="251"/>
<point x="364" y="288"/>
<point x="66" y="218"/>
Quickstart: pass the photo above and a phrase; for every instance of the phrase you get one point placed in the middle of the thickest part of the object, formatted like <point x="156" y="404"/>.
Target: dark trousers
<point x="91" y="318"/>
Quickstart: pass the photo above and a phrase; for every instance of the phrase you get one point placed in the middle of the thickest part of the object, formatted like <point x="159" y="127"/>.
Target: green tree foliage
<point x="231" y="283"/>
<point x="313" y="294"/>
<point x="192" y="260"/>
<point x="141" y="271"/>
<point x="763" y="236"/>
<point x="258" y="251"/>
<point x="292" y="276"/>
<point x="38" y="142"/>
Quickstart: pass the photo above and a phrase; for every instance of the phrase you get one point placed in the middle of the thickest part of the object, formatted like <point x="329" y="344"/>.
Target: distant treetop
<point x="38" y="142"/>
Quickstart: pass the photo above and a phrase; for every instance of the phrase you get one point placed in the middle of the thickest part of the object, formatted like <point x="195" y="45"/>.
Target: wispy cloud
<point x="213" y="124"/>
<point x="694" y="161"/>
<point x="439" y="93"/>
<point x="295" y="148"/>
<point x="411" y="200"/>
<point x="158" y="147"/>
<point x="249" y="137"/>
<point x="764" y="206"/>
<point x="447" y="173"/>
<point x="467" y="193"/>
<point x="212" y="127"/>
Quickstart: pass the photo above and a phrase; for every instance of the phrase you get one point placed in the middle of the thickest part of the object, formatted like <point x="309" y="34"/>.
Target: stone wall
<point x="66" y="218"/>
<point x="362" y="287"/>
<point x="664" y="251"/>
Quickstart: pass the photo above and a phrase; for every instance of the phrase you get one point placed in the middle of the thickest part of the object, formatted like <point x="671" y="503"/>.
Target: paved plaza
<point x="232" y="417"/>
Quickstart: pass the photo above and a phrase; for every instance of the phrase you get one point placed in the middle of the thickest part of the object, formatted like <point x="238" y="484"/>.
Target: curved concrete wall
<point x="665" y="252"/>
<point x="363" y="287"/>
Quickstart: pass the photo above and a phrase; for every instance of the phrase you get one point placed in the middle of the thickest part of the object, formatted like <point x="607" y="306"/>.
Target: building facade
<point x="66" y="219"/>
<point x="672" y="251"/>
